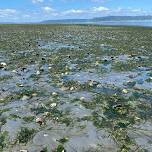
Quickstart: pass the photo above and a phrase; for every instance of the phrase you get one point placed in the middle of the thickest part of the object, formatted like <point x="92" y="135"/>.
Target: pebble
<point x="3" y="65"/>
<point x="72" y="88"/>
<point x="38" y="72"/>
<point x="124" y="91"/>
<point x="45" y="135"/>
<point x="25" y="97"/>
<point x="23" y="150"/>
<point x="82" y="98"/>
<point x="54" y="94"/>
<point x="53" y="105"/>
<point x="34" y="94"/>
<point x="97" y="63"/>
<point x="14" y="71"/>
<point x="20" y="85"/>
<point x="39" y="121"/>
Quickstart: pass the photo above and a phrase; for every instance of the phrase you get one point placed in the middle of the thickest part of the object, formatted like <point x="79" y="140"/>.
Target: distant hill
<point x="122" y="18"/>
<point x="64" y="21"/>
<point x="98" y="19"/>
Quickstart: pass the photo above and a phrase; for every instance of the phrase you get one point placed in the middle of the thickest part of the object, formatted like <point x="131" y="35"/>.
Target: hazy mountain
<point x="64" y="21"/>
<point x="122" y="18"/>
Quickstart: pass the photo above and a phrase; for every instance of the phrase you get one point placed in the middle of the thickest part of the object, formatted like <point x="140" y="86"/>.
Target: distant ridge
<point x="99" y="19"/>
<point x="67" y="21"/>
<point x="122" y="18"/>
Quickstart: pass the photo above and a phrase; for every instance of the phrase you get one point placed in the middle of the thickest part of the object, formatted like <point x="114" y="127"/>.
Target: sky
<point x="39" y="10"/>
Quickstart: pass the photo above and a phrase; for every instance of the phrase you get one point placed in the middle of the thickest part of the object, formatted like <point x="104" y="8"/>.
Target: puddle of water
<point x="112" y="78"/>
<point x="142" y="134"/>
<point x="12" y="127"/>
<point x="90" y="139"/>
<point x="55" y="46"/>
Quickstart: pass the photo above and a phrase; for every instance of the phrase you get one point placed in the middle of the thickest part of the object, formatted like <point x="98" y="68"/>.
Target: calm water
<point x="147" y="23"/>
<point x="127" y="23"/>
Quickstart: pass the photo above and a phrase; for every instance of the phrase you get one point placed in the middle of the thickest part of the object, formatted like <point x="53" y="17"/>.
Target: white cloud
<point x="100" y="9"/>
<point x="73" y="11"/>
<point x="47" y="12"/>
<point x="37" y="1"/>
<point x="47" y="9"/>
<point x="85" y="12"/>
<point x="7" y="12"/>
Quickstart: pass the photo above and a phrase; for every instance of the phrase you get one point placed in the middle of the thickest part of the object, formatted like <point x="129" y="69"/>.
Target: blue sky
<point x="38" y="10"/>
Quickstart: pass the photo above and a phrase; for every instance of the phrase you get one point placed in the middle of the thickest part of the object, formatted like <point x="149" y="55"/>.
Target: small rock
<point x="38" y="72"/>
<point x="2" y="65"/>
<point x="34" y="94"/>
<point x="53" y="105"/>
<point x="14" y="71"/>
<point x="46" y="135"/>
<point x="66" y="73"/>
<point x="82" y="98"/>
<point x="25" y="97"/>
<point x="20" y="85"/>
<point x="49" y="68"/>
<point x="124" y="91"/>
<point x="1" y="100"/>
<point x="23" y="150"/>
<point x="40" y="121"/>
<point x="72" y="88"/>
<point x="54" y="94"/>
<point x="97" y="63"/>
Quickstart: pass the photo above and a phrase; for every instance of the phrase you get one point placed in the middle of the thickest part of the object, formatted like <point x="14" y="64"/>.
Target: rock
<point x="54" y="94"/>
<point x="82" y="98"/>
<point x="34" y="94"/>
<point x="38" y="72"/>
<point x="93" y="83"/>
<point x="2" y="65"/>
<point x="20" y="85"/>
<point x="14" y="71"/>
<point x="40" y="121"/>
<point x="25" y="97"/>
<point x="97" y="63"/>
<point x="72" y="88"/>
<point x="53" y="105"/>
<point x="23" y="150"/>
<point x="124" y="91"/>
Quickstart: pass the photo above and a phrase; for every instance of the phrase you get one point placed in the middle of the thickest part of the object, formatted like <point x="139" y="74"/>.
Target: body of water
<point x="126" y="23"/>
